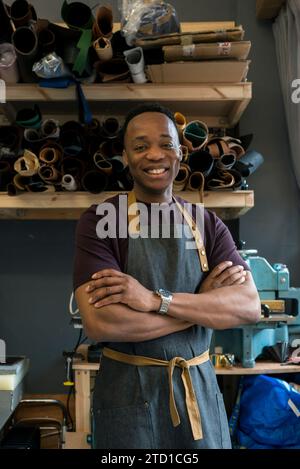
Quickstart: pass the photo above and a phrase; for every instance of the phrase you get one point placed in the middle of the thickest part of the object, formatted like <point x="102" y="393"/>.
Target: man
<point x="154" y="303"/>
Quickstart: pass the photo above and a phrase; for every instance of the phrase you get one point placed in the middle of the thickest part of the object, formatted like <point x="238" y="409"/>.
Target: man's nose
<point x="155" y="153"/>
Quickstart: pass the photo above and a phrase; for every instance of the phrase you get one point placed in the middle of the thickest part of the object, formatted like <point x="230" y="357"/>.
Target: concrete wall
<point x="36" y="257"/>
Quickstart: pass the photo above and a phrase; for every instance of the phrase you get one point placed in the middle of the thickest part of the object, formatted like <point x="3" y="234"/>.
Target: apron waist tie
<point x="190" y="397"/>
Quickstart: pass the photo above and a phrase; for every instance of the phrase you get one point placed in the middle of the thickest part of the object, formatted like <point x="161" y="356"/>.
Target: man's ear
<point x="125" y="158"/>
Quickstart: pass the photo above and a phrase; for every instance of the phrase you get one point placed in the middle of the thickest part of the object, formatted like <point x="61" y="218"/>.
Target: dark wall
<point x="36" y="257"/>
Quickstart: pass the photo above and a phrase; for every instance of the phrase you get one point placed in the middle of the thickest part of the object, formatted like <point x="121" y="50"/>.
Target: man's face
<point x="152" y="151"/>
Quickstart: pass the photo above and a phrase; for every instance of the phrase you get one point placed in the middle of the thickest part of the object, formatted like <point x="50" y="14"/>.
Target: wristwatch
<point x="166" y="298"/>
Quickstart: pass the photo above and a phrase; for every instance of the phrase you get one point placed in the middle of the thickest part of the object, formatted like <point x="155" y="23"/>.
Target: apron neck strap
<point x="134" y="226"/>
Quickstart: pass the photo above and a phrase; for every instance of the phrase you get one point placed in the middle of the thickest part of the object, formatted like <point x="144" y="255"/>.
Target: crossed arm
<point x="116" y="307"/>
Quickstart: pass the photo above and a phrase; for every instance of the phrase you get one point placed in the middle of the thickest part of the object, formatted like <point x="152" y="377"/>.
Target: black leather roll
<point x="94" y="181"/>
<point x="201" y="161"/>
<point x="5" y="175"/>
<point x="6" y="29"/>
<point x="73" y="166"/>
<point x="110" y="127"/>
<point x="25" y="42"/>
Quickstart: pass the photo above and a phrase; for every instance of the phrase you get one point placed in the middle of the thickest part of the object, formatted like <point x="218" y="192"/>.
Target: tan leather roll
<point x="185" y="153"/>
<point x="180" y="123"/>
<point x="27" y="165"/>
<point x="103" y="48"/>
<point x="102" y="163"/>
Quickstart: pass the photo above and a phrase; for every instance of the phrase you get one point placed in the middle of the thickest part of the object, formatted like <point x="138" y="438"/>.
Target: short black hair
<point x="141" y="109"/>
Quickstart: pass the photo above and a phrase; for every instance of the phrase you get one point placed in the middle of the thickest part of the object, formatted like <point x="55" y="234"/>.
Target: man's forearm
<point x="119" y="323"/>
<point x="222" y="308"/>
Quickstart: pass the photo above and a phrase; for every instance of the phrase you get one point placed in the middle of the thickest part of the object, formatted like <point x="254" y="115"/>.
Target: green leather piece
<point x="83" y="45"/>
<point x="195" y="133"/>
<point x="85" y="40"/>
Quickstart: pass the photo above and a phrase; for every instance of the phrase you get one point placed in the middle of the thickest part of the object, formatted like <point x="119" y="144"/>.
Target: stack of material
<point x="197" y="57"/>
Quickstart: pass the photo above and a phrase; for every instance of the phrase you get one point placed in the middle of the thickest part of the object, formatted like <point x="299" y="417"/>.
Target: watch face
<point x="163" y="292"/>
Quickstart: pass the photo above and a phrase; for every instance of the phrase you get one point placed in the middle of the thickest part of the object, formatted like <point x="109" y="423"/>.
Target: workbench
<point x="84" y="374"/>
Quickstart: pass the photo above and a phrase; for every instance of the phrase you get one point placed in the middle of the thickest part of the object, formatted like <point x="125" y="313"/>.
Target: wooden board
<point x="259" y="368"/>
<point x="268" y="9"/>
<point x="69" y="206"/>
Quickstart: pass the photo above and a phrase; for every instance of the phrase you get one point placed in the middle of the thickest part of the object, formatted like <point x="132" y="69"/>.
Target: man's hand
<point x="111" y="286"/>
<point x="223" y="275"/>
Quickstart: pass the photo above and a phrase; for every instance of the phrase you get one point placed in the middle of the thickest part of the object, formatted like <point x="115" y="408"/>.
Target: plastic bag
<point x="51" y="66"/>
<point x="269" y="414"/>
<point x="147" y="18"/>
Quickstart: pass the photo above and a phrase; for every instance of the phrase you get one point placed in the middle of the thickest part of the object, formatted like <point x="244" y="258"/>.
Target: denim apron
<point x="131" y="408"/>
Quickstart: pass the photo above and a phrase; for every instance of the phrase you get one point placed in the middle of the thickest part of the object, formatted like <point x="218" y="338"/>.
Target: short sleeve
<point x="220" y="246"/>
<point x="91" y="252"/>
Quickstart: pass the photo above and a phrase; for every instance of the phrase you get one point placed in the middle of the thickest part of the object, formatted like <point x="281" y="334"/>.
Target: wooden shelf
<point x="268" y="9"/>
<point x="69" y="206"/>
<point x="260" y="368"/>
<point x="219" y="105"/>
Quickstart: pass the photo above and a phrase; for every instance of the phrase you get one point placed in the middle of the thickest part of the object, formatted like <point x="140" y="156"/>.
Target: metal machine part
<point x="280" y="320"/>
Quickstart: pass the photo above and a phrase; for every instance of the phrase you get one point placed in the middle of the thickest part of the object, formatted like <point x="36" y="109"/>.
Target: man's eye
<point x="140" y="148"/>
<point x="169" y="145"/>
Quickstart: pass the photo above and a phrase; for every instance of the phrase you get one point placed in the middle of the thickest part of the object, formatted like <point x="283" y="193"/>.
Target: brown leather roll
<point x="103" y="24"/>
<point x="221" y="180"/>
<point x="49" y="174"/>
<point x="51" y="153"/>
<point x="226" y="161"/>
<point x="182" y="178"/>
<point x="195" y="182"/>
<point x="22" y="13"/>
<point x="217" y="146"/>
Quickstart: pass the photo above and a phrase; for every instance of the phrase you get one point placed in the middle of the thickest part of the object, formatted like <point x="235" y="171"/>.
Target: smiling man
<point x="154" y="303"/>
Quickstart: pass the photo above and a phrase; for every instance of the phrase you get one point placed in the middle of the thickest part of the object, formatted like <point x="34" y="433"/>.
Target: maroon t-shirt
<point x="93" y="253"/>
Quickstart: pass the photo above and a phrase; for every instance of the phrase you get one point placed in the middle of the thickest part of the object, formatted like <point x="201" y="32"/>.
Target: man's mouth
<point x="156" y="171"/>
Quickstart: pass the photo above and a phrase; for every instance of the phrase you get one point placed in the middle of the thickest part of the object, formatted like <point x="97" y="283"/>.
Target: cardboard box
<point x="220" y="50"/>
<point x="213" y="71"/>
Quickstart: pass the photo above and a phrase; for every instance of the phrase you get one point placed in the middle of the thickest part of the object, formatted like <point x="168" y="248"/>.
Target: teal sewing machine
<point x="280" y="320"/>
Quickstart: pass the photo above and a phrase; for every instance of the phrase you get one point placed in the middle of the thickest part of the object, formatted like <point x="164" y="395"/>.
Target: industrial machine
<point x="280" y="320"/>
<point x="12" y="374"/>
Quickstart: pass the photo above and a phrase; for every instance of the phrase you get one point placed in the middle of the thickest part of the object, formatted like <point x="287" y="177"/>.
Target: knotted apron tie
<point x="190" y="397"/>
